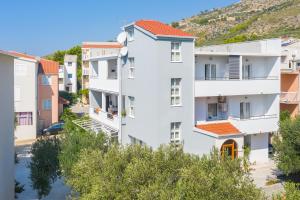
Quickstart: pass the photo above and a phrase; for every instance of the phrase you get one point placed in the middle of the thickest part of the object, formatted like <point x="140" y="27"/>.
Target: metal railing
<point x="253" y="117"/>
<point x="287" y="97"/>
<point x="226" y="78"/>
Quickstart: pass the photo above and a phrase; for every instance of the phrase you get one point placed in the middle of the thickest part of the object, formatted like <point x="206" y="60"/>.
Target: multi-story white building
<point x="67" y="77"/>
<point x="7" y="184"/>
<point x="162" y="90"/>
<point x="94" y="50"/>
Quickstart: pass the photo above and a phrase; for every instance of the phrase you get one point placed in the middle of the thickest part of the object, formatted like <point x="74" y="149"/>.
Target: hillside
<point x="246" y="20"/>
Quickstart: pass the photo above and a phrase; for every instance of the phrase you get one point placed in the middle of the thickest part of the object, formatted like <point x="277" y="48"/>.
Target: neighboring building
<point x="36" y="94"/>
<point x="70" y="74"/>
<point x="165" y="91"/>
<point x="94" y="50"/>
<point x="62" y="77"/>
<point x="47" y="93"/>
<point x="237" y="90"/>
<point x="290" y="66"/>
<point x="7" y="156"/>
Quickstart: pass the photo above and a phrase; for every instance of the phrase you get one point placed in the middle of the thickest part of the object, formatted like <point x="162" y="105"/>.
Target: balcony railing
<point x="226" y="78"/>
<point x="289" y="97"/>
<point x="253" y="117"/>
<point x="109" y="118"/>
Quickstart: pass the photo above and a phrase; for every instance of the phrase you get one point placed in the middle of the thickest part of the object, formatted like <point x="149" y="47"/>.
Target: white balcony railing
<point x="289" y="97"/>
<point x="109" y="119"/>
<point x="256" y="124"/>
<point x="223" y="86"/>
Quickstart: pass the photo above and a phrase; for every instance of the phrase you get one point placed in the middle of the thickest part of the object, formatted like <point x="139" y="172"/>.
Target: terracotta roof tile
<point x="224" y="128"/>
<point x="48" y="66"/>
<point x="158" y="28"/>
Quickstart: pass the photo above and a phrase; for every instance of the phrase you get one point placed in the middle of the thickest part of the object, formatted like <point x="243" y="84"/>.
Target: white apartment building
<point x="67" y="77"/>
<point x="7" y="173"/>
<point x="94" y="50"/>
<point x="26" y="95"/>
<point x="161" y="90"/>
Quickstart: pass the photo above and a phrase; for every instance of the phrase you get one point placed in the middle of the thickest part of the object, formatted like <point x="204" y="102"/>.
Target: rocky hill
<point x="246" y="20"/>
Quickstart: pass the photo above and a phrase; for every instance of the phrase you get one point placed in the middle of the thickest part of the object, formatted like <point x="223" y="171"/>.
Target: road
<point x="59" y="190"/>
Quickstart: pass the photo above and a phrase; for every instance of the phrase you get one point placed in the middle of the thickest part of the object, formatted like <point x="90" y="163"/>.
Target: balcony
<point x="225" y="87"/>
<point x="85" y="71"/>
<point x="109" y="118"/>
<point x="289" y="98"/>
<point x="256" y="124"/>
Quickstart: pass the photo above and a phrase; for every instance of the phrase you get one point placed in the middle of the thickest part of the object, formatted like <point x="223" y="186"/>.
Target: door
<point x="229" y="148"/>
<point x="210" y="72"/>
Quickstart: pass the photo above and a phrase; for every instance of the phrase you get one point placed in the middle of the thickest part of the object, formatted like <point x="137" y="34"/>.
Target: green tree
<point x="284" y="115"/>
<point x="287" y="146"/>
<point x="44" y="165"/>
<point x="136" y="172"/>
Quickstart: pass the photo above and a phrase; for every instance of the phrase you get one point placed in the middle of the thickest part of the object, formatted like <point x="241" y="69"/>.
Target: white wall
<point x="25" y="73"/>
<point x="259" y="148"/>
<point x="71" y="70"/>
<point x="7" y="184"/>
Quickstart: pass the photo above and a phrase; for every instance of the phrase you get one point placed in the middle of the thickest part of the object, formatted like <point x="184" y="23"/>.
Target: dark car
<point x="53" y="129"/>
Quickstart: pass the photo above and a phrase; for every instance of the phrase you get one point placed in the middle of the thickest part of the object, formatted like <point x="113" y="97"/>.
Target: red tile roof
<point x="48" y="67"/>
<point x="158" y="28"/>
<point x="224" y="128"/>
<point x="104" y="46"/>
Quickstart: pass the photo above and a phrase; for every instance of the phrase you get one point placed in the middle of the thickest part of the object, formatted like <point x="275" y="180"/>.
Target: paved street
<point x="59" y="190"/>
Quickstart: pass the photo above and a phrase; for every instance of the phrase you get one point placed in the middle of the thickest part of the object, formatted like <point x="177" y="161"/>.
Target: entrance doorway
<point x="229" y="148"/>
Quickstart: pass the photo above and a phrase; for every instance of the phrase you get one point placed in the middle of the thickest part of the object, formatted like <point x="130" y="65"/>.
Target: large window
<point x="210" y="71"/>
<point x="47" y="104"/>
<point x="212" y="111"/>
<point x="175" y="91"/>
<point x="131" y="68"/>
<point x="69" y="63"/>
<point x="46" y="80"/>
<point x="131" y="106"/>
<point x="135" y="141"/>
<point x="245" y="110"/>
<point x="175" y="132"/>
<point x="70" y="75"/>
<point x="23" y="118"/>
<point x="175" y="51"/>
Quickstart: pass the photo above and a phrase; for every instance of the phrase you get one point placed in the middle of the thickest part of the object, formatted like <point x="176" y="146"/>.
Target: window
<point x="61" y="81"/>
<point x="70" y="75"/>
<point x="245" y="110"/>
<point x="130" y="33"/>
<point x="212" y="111"/>
<point x="298" y="64"/>
<point x="69" y="63"/>
<point x="17" y="93"/>
<point x="175" y="52"/>
<point x="94" y="72"/>
<point x="134" y="141"/>
<point x="246" y="72"/>
<point x="175" y="132"/>
<point x="131" y="67"/>
<point x="175" y="91"/>
<point x="47" y="104"/>
<point x="210" y="71"/>
<point x="131" y="106"/>
<point x="46" y="80"/>
<point x="23" y="118"/>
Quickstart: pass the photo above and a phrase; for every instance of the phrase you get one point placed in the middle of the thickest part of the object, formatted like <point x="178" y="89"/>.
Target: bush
<point x="137" y="172"/>
<point x="175" y="24"/>
<point x="287" y="146"/>
<point x="285" y="115"/>
<point x="71" y="97"/>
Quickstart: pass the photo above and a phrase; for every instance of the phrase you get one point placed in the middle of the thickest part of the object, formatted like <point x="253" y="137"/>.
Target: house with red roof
<point x="36" y="94"/>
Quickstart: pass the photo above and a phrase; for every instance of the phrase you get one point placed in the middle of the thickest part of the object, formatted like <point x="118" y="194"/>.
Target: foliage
<point x="241" y="38"/>
<point x="287" y="146"/>
<point x="285" y="115"/>
<point x="71" y="97"/>
<point x="243" y="26"/>
<point x="68" y="115"/>
<point x="44" y="165"/>
<point x="84" y="92"/>
<point x="137" y="172"/>
<point x="200" y="21"/>
<point x="18" y="188"/>
<point x="74" y="140"/>
<point x="175" y="24"/>
<point x="292" y="192"/>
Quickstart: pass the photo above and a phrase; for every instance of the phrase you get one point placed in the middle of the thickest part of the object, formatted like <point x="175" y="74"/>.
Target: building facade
<point x="290" y="66"/>
<point x="224" y="96"/>
<point x="68" y="74"/>
<point x="7" y="157"/>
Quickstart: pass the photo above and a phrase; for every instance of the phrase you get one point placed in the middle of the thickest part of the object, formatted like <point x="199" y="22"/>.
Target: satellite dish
<point x="124" y="51"/>
<point x="122" y="37"/>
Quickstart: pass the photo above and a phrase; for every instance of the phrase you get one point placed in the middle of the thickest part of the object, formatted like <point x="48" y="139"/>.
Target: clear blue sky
<point x="40" y="27"/>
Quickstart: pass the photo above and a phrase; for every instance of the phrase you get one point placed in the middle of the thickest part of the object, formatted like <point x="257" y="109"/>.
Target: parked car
<point x="53" y="129"/>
